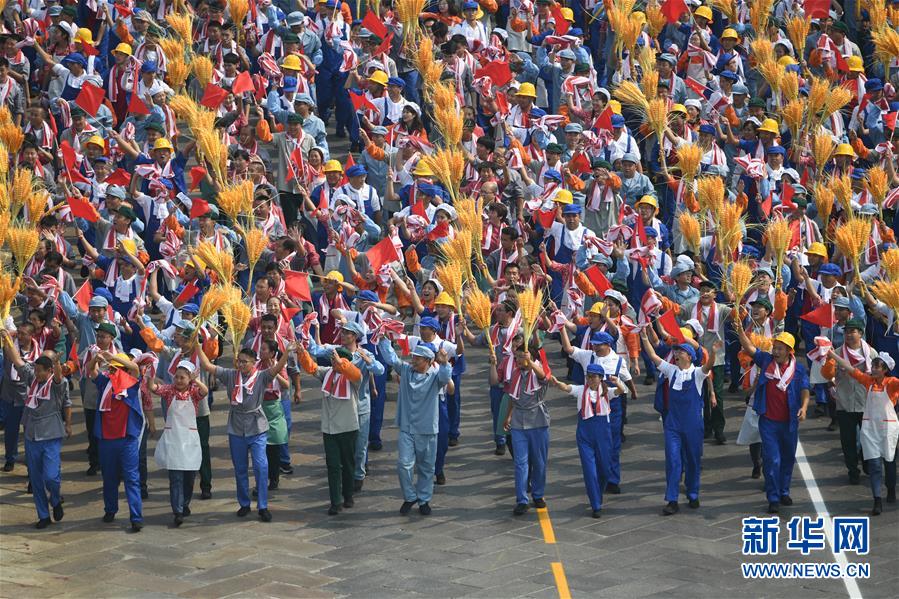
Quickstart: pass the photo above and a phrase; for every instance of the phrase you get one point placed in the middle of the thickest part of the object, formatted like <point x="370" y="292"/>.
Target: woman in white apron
<point x="880" y="424"/>
<point x="178" y="450"/>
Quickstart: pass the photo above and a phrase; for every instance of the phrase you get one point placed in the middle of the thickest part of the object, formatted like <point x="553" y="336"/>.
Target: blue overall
<point x="496" y="400"/>
<point x="562" y="255"/>
<point x="594" y="446"/>
<point x="442" y="435"/>
<point x="44" y="473"/>
<point x="119" y="455"/>
<point x="454" y="401"/>
<point x="69" y="92"/>
<point x="616" y="423"/>
<point x="531" y="449"/>
<point x="683" y="439"/>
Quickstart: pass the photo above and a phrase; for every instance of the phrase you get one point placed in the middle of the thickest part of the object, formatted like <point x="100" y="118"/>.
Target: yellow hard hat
<point x="120" y="359"/>
<point x="703" y="11"/>
<point x="563" y="196"/>
<point x="787" y="339"/>
<point x="729" y="34"/>
<point x="568" y="14"/>
<point x="479" y="14"/>
<point x="786" y="60"/>
<point x="197" y="263"/>
<point x="163" y="144"/>
<point x="844" y="150"/>
<point x="292" y="63"/>
<point x="687" y="332"/>
<point x="379" y="77"/>
<point x="130" y="246"/>
<point x="527" y="90"/>
<point x="639" y="16"/>
<point x="615" y="106"/>
<point x="97" y="141"/>
<point x="817" y="249"/>
<point x="332" y="166"/>
<point x="596" y="308"/>
<point x="648" y="199"/>
<point x="124" y="49"/>
<point x="84" y="35"/>
<point x="679" y="108"/>
<point x="444" y="299"/>
<point x="422" y="170"/>
<point x="335" y="276"/>
<point x="855" y="64"/>
<point x="771" y="126"/>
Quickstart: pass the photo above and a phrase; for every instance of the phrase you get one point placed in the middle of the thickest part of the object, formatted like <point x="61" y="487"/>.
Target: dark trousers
<point x="290" y="204"/>
<point x="206" y="463"/>
<point x="12" y="423"/>
<point x="714" y="417"/>
<point x="340" y="459"/>
<point x="755" y="453"/>
<point x="93" y="455"/>
<point x="849" y="425"/>
<point x="181" y="489"/>
<point x="273" y="455"/>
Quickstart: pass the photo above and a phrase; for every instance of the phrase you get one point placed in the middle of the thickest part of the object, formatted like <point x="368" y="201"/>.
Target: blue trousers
<point x="378" y="400"/>
<point x="454" y="407"/>
<point x="615" y="423"/>
<point x="142" y="458"/>
<point x="255" y="445"/>
<point x="875" y="472"/>
<point x="288" y="418"/>
<point x="119" y="461"/>
<point x="442" y="437"/>
<point x="821" y="395"/>
<point x="12" y="422"/>
<point x="496" y="399"/>
<point x="411" y="90"/>
<point x="778" y="457"/>
<point x="181" y="489"/>
<point x="418" y="452"/>
<point x="683" y="454"/>
<point x="45" y="473"/>
<point x="361" y="453"/>
<point x="330" y="89"/>
<point x="531" y="451"/>
<point x="594" y="446"/>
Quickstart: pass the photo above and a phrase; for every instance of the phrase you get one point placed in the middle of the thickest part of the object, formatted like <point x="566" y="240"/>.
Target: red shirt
<point x="115" y="421"/>
<point x="777" y="408"/>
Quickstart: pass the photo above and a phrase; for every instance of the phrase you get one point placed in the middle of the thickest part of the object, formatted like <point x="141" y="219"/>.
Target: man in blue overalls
<point x="566" y="238"/>
<point x="683" y="422"/>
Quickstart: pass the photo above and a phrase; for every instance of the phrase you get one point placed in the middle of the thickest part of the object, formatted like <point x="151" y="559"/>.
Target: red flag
<point x="640" y="230"/>
<point x="403" y="342"/>
<point x="83" y="296"/>
<point x="213" y="96"/>
<point x="669" y="323"/>
<point x="889" y="120"/>
<point x="198" y="208"/>
<point x="804" y="178"/>
<point x="383" y="252"/>
<point x="73" y="356"/>
<point x="360" y="101"/>
<point x="786" y="197"/>
<point x="579" y="163"/>
<point x="419" y="207"/>
<point x="695" y="85"/>
<point x="441" y="229"/>
<point x="373" y="23"/>
<point x="82" y="208"/>
<point x="289" y="313"/>
<point x="69" y="156"/>
<point x="123" y="10"/>
<point x="498" y="72"/>
<point x="119" y="177"/>
<point x="821" y="316"/>
<point x="598" y="279"/>
<point x="137" y="106"/>
<point x="89" y="50"/>
<point x="562" y="25"/>
<point x="350" y="161"/>
<point x="502" y="104"/>
<point x="296" y="284"/>
<point x="298" y="169"/>
<point x="197" y="174"/>
<point x="842" y="65"/>
<point x="242" y="83"/>
<point x="673" y="9"/>
<point x="604" y="120"/>
<point x="545" y="217"/>
<point x="384" y="47"/>
<point x="544" y="362"/>
<point x="90" y="97"/>
<point x="766" y="204"/>
<point x="121" y="380"/>
<point x="189" y="291"/>
<point x="816" y="9"/>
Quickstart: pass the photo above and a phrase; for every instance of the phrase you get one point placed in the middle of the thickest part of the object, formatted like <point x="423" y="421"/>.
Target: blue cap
<point x="651" y="232"/>
<point x="290" y="84"/>
<point x="429" y="322"/>
<point x="552" y="173"/>
<point x="686" y="347"/>
<point x="469" y="5"/>
<point x="729" y="75"/>
<point x="830" y="269"/>
<point x="356" y="170"/>
<point x="77" y="58"/>
<point x="190" y="308"/>
<point x="873" y="85"/>
<point x="366" y="295"/>
<point x="575" y="31"/>
<point x="750" y="251"/>
<point x="396" y="81"/>
<point x="378" y="130"/>
<point x="617" y="120"/>
<point x="104" y="292"/>
<point x="148" y="67"/>
<point x="601" y="338"/>
<point x="571" y="209"/>
<point x="353" y="327"/>
<point x="706" y="128"/>
<point x="428" y="189"/>
<point x="303" y="98"/>
<point x="841" y="302"/>
<point x="859" y="173"/>
<point x="536" y="113"/>
<point x="567" y="53"/>
<point x="774" y="150"/>
<point x="596" y="369"/>
<point x="423" y="351"/>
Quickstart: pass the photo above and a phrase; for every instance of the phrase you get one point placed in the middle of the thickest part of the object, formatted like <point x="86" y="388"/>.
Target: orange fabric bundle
<point x="742" y="202"/>
<point x="263" y="131"/>
<point x="667" y="304"/>
<point x="307" y="363"/>
<point x="525" y="156"/>
<point x="829" y="370"/>
<point x="348" y="369"/>
<point x="412" y="264"/>
<point x="375" y="152"/>
<point x="174" y="226"/>
<point x="211" y="347"/>
<point x="780" y="305"/>
<point x="153" y="342"/>
<point x="691" y="201"/>
<point x="584" y="284"/>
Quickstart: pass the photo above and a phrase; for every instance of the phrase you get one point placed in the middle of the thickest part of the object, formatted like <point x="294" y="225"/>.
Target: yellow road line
<point x="547" y="526"/>
<point x="561" y="581"/>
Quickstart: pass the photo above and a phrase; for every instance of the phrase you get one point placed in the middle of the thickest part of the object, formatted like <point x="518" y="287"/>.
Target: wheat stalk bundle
<point x="221" y="262"/>
<point x="202" y="70"/>
<point x="211" y="149"/>
<point x="789" y="86"/>
<point x="657" y="118"/>
<point x="213" y="300"/>
<point x="889" y="261"/>
<point x="236" y="199"/>
<point x="629" y="94"/>
<point x="817" y="96"/>
<point x="9" y="286"/>
<point x="468" y="211"/>
<point x="449" y="122"/>
<point x="797" y="30"/>
<point x="877" y="13"/>
<point x="887" y="292"/>
<point x="531" y="303"/>
<point x="650" y="83"/>
<point x="21" y="184"/>
<point x="237" y="314"/>
<point x="477" y="305"/>
<point x="824" y="200"/>
<point x="851" y="238"/>
<point x="183" y="25"/>
<point x="443" y="97"/>
<point x="655" y="19"/>
<point x="759" y="13"/>
<point x="5" y="115"/>
<point x="730" y="229"/>
<point x="408" y="12"/>
<point x="689" y="228"/>
<point x="892" y="16"/>
<point x="448" y="165"/>
<point x="450" y="276"/>
<point x="458" y="251"/>
<point x="836" y="100"/>
<point x="172" y="48"/>
<point x="740" y="279"/>
<point x="185" y="108"/>
<point x="822" y="149"/>
<point x="778" y="233"/>
<point x="256" y="241"/>
<point x="886" y="42"/>
<point x="688" y="157"/>
<point x="878" y="185"/>
<point x="36" y="203"/>
<point x="4" y="226"/>
<point x="238" y="10"/>
<point x="646" y="58"/>
<point x="762" y="49"/>
<point x="176" y="72"/>
<point x="842" y="190"/>
<point x="793" y="113"/>
<point x="629" y="35"/>
<point x="22" y="242"/>
<point x="12" y="137"/>
<point x="727" y="8"/>
<point x="710" y="194"/>
<point x="761" y="342"/>
<point x="4" y="161"/>
<point x="773" y="74"/>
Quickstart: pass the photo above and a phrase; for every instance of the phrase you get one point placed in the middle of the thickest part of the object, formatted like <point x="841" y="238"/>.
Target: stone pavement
<point x="471" y="546"/>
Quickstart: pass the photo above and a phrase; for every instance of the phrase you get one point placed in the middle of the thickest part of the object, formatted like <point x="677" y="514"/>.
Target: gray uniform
<point x="245" y="419"/>
<point x="45" y="422"/>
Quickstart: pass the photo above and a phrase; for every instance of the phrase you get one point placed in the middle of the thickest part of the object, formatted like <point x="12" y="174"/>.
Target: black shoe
<point x="832" y="426"/>
<point x="407" y="507"/>
<point x="179" y="520"/>
<point x="286" y="469"/>
<point x="254" y="492"/>
<point x="649" y="380"/>
<point x="670" y="509"/>
<point x="440" y="479"/>
<point x="424" y="509"/>
<point x="372" y="446"/>
<point x="348" y="502"/>
<point x="756" y="472"/>
<point x="92" y="471"/>
<point x="707" y="435"/>
<point x="613" y="489"/>
<point x="185" y="511"/>
<point x="854" y="478"/>
<point x="878" y="507"/>
<point x="597" y="513"/>
<point x="520" y="509"/>
<point x="144" y="494"/>
<point x="773" y="507"/>
<point x="694" y="503"/>
<point x="720" y="439"/>
<point x="42" y="523"/>
<point x="340" y="134"/>
<point x="108" y="517"/>
<point x="540" y="503"/>
<point x="786" y="500"/>
<point x="333" y="510"/>
<point x="206" y="494"/>
<point x="733" y="388"/>
<point x="454" y="442"/>
<point x="500" y="450"/>
<point x="28" y="489"/>
<point x="8" y="466"/>
<point x="357" y="485"/>
<point x="136" y="526"/>
<point x="273" y="485"/>
<point x="243" y="511"/>
<point x="265" y="515"/>
<point x="58" y="512"/>
<point x="891" y="495"/>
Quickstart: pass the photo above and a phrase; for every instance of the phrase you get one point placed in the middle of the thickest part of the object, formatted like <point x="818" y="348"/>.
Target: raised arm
<point x="747" y="345"/>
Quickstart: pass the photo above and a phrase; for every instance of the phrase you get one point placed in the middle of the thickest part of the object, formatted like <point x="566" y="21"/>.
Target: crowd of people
<point x="222" y="200"/>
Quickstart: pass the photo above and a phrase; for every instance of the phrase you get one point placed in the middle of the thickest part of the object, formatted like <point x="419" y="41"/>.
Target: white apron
<point x="179" y="446"/>
<point x="880" y="428"/>
<point x="749" y="429"/>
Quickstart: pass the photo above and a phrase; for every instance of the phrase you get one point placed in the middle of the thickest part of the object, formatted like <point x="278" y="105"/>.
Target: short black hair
<point x="269" y="318"/>
<point x="487" y="142"/>
<point x="43" y="361"/>
<point x="231" y="58"/>
<point x="248" y="353"/>
<point x="512" y="232"/>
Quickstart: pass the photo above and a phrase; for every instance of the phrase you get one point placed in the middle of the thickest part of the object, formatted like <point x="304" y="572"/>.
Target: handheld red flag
<point x="669" y="323"/>
<point x="604" y="120"/>
<point x="766" y="204"/>
<point x="360" y="101"/>
<point x="545" y="217"/>
<point x="544" y="362"/>
<point x="187" y="294"/>
<point x="562" y="24"/>
<point x="83" y="296"/>
<point x="441" y="229"/>
<point x="213" y="96"/>
<point x="673" y="9"/>
<point x="641" y="232"/>
<point x="786" y="197"/>
<point x="889" y="120"/>
<point x="119" y="177"/>
<point x="816" y="9"/>
<point x="296" y="284"/>
<point x="89" y="50"/>
<point x="198" y="208"/>
<point x="90" y="97"/>
<point x="383" y="252"/>
<point x="419" y="208"/>
<point x="82" y="208"/>
<point x="197" y="174"/>
<point x="695" y="85"/>
<point x="137" y="106"/>
<point x="598" y="279"/>
<point x="385" y="45"/>
<point x="373" y="23"/>
<point x="579" y="164"/>
<point x="242" y="83"/>
<point x="498" y="72"/>
<point x="289" y="313"/>
<point x="69" y="156"/>
<point x="121" y="380"/>
<point x="821" y="316"/>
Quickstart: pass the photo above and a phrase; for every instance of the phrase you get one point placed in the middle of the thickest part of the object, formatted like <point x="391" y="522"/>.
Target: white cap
<point x="888" y="359"/>
<point x="694" y="324"/>
<point x="188" y="366"/>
